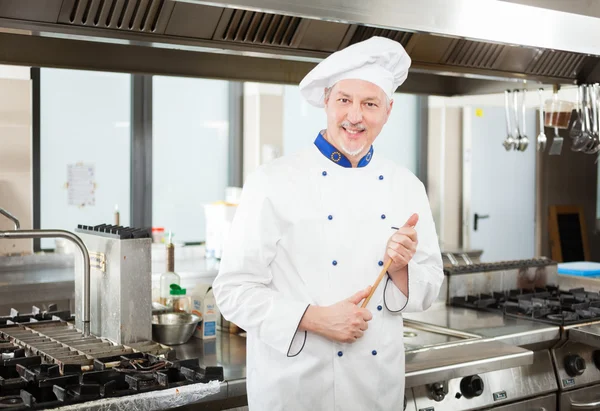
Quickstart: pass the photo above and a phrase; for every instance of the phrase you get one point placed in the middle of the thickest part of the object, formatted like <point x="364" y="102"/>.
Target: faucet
<point x="23" y="234"/>
<point x="10" y="217"/>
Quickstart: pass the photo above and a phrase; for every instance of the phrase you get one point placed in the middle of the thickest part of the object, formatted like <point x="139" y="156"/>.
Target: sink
<point x="419" y="335"/>
<point x="416" y="338"/>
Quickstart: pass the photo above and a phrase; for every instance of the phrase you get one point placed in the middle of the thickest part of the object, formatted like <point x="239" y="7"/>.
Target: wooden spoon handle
<point x="376" y="284"/>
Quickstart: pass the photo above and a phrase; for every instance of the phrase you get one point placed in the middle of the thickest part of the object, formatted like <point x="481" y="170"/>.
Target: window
<point x="84" y="125"/>
<point x="190" y="152"/>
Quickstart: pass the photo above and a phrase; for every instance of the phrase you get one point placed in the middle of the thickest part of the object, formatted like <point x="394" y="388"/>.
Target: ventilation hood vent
<point x="453" y="49"/>
<point x="364" y="33"/>
<point x="260" y="28"/>
<point x="556" y="64"/>
<point x="466" y="53"/>
<point x="145" y="16"/>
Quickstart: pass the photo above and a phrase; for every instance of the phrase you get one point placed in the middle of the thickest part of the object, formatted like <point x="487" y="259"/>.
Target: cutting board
<point x="580" y="268"/>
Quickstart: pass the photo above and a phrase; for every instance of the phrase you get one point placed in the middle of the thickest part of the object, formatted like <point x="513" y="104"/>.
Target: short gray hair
<point x="328" y="93"/>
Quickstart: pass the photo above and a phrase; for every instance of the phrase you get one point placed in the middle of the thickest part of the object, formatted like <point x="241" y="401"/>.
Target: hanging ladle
<point x="509" y="141"/>
<point x="523" y="140"/>
<point x="541" y="138"/>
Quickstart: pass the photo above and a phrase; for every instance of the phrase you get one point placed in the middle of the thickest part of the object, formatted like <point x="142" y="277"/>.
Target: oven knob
<point x="471" y="386"/>
<point x="574" y="365"/>
<point x="438" y="391"/>
<point x="596" y="358"/>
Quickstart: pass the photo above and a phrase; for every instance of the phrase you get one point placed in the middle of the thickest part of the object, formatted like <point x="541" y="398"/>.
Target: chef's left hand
<point x="402" y="245"/>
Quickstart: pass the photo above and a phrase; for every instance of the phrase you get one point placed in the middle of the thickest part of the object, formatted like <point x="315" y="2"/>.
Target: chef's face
<point x="356" y="112"/>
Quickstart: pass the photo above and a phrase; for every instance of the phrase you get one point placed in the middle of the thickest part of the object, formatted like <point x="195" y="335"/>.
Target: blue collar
<point x="333" y="154"/>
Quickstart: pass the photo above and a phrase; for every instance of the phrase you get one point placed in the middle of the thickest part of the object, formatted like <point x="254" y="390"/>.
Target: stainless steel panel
<point x="410" y="401"/>
<point x="572" y="281"/>
<point x="502" y="386"/>
<point x="487" y="282"/>
<point x="458" y="18"/>
<point x="477" y="54"/>
<point x="415" y="339"/>
<point x="36" y="10"/>
<point x="323" y="36"/>
<point x="587" y="8"/>
<point x="488" y="325"/>
<point x="582" y="399"/>
<point x="147" y="16"/>
<point x="591" y="374"/>
<point x="121" y="308"/>
<point x="556" y="64"/>
<point x="453" y="257"/>
<point x="517" y="59"/>
<point x="362" y="33"/>
<point x="454" y="38"/>
<point x="75" y="54"/>
<point x="473" y="357"/>
<point x="545" y="403"/>
<point x="190" y="20"/>
<point x="587" y="334"/>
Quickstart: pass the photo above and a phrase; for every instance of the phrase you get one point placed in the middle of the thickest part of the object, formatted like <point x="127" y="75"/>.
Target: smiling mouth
<point x="353" y="131"/>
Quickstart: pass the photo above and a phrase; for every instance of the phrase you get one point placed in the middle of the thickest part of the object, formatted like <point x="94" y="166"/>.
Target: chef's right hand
<point x="342" y="322"/>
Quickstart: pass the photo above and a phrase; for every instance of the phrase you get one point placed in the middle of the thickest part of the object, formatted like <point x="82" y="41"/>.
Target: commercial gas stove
<point x="563" y="377"/>
<point x="547" y="304"/>
<point x="47" y="363"/>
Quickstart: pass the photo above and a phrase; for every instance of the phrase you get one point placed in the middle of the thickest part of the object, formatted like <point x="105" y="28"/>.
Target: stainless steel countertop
<point x="488" y="325"/>
<point x="415" y="338"/>
<point x="428" y="366"/>
<point x="586" y="334"/>
<point x="227" y="350"/>
<point x="422" y="362"/>
<point x="465" y="335"/>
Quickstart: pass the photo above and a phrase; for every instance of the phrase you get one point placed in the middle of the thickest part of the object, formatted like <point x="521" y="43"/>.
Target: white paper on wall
<point x="81" y="184"/>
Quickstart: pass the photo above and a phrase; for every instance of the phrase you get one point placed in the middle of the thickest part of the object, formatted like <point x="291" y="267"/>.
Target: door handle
<point x="477" y="218"/>
<point x="594" y="405"/>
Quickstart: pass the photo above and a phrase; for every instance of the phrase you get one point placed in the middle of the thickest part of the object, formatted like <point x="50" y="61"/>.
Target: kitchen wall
<point x="444" y="174"/>
<point x="15" y="154"/>
<point x="571" y="178"/>
<point x="263" y="124"/>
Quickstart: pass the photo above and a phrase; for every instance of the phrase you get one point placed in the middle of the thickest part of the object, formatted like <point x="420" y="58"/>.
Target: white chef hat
<point x="379" y="60"/>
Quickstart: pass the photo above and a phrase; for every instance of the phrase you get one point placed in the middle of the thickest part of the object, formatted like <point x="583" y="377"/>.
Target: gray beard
<point x="353" y="153"/>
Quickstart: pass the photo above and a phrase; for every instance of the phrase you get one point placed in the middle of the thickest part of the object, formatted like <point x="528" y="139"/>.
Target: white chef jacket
<point x="309" y="231"/>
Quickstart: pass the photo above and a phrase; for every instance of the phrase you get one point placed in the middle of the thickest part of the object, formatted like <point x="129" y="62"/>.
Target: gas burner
<point x="43" y="385"/>
<point x="141" y="382"/>
<point x="12" y="401"/>
<point x="548" y="304"/>
<point x="36" y="315"/>
<point x="564" y="316"/>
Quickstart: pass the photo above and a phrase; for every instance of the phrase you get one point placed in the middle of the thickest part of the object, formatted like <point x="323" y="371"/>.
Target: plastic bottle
<point x="170" y="276"/>
<point x="178" y="300"/>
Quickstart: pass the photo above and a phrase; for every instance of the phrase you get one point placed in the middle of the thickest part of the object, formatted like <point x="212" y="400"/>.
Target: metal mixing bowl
<point x="174" y="328"/>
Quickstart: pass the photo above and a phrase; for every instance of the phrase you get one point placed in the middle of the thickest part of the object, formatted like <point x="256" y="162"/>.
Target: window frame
<point x="141" y="147"/>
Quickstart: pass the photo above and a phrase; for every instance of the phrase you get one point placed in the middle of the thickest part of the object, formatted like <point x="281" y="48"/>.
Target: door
<point x="498" y="187"/>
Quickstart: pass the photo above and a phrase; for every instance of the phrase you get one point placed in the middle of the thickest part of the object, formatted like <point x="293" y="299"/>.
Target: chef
<point x="311" y="234"/>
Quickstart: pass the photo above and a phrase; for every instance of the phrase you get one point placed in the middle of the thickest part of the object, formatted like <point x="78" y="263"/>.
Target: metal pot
<point x="174" y="328"/>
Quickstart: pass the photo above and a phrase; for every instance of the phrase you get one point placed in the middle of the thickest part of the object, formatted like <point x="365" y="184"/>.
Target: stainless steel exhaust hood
<point x="457" y="46"/>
